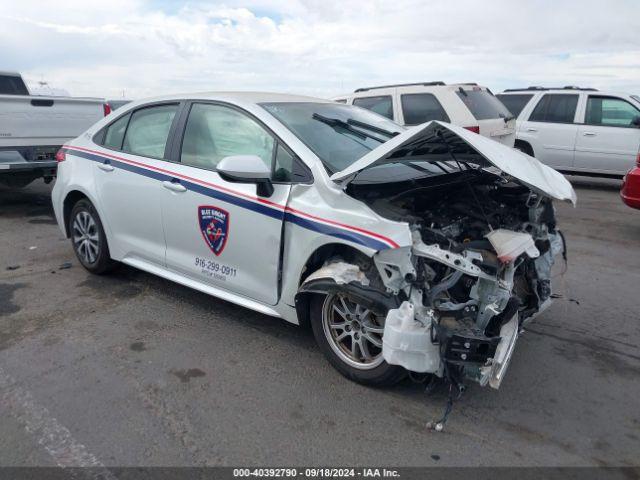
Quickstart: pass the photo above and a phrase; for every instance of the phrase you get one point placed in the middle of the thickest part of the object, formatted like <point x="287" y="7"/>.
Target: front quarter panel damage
<point x="471" y="299"/>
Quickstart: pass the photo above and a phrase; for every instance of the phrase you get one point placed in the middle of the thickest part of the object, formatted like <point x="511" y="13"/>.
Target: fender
<point x="342" y="277"/>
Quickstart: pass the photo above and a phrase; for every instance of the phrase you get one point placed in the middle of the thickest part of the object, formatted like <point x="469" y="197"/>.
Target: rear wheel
<point x="350" y="336"/>
<point x="88" y="238"/>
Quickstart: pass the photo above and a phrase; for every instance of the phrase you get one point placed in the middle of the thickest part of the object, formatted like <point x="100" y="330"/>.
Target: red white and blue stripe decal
<point x="257" y="204"/>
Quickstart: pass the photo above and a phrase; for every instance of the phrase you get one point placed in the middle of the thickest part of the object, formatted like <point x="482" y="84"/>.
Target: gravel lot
<point x="130" y="369"/>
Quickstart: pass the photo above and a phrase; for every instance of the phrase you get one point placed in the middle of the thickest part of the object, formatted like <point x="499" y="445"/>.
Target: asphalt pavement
<point x="129" y="369"/>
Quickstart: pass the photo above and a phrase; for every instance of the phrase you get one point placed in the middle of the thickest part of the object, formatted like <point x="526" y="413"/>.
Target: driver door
<point x="218" y="232"/>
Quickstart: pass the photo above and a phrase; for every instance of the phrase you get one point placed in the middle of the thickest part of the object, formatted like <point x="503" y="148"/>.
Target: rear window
<point x="381" y="105"/>
<point x="555" y="108"/>
<point x="482" y="104"/>
<point x="422" y="107"/>
<point x="515" y="103"/>
<point x="12" y="85"/>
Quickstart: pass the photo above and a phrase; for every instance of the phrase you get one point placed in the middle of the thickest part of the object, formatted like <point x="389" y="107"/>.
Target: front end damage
<point x="484" y="240"/>
<point x="479" y="268"/>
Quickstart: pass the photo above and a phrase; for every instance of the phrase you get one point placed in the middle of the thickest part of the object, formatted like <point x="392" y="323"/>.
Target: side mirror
<point x="636" y="121"/>
<point x="247" y="169"/>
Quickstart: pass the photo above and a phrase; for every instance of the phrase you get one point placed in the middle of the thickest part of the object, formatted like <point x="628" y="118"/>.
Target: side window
<point x="555" y="108"/>
<point x="422" y="107"/>
<point x="148" y="131"/>
<point x="214" y="132"/>
<point x="283" y="171"/>
<point x="114" y="135"/>
<point x="609" y="111"/>
<point x="381" y="105"/>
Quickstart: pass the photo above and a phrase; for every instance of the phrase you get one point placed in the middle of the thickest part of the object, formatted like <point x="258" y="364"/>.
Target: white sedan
<point x="422" y="249"/>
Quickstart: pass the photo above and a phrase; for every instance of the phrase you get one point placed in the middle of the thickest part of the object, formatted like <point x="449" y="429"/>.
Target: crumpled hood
<point x="508" y="161"/>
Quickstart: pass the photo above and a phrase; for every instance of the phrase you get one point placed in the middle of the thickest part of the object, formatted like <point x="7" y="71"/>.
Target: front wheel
<point x="88" y="238"/>
<point x="350" y="336"/>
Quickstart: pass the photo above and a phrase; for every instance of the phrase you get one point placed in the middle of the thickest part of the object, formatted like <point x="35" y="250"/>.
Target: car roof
<point x="567" y="90"/>
<point x="241" y="97"/>
<point x="425" y="85"/>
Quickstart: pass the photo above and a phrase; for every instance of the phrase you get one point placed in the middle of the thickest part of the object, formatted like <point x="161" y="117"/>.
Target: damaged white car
<point x="422" y="249"/>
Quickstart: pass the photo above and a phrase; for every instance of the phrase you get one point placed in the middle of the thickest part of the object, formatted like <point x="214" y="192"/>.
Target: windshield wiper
<point x="337" y="123"/>
<point x="373" y="128"/>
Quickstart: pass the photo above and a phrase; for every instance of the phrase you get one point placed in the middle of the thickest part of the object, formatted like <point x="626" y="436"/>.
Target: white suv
<point x="465" y="104"/>
<point x="577" y="130"/>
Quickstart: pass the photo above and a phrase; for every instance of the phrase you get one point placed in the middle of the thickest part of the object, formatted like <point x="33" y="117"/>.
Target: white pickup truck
<point x="34" y="127"/>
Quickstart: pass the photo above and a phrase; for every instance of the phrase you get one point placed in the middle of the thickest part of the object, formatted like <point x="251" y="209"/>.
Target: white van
<point x="465" y="104"/>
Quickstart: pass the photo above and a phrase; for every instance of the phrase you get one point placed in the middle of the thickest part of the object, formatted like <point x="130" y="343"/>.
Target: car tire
<point x="380" y="375"/>
<point x="88" y="239"/>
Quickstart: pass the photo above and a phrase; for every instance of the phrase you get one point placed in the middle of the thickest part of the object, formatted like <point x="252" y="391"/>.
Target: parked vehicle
<point x="577" y="130"/>
<point x="116" y="104"/>
<point x="33" y="127"/>
<point x="465" y="104"/>
<point x="630" y="191"/>
<point x="313" y="211"/>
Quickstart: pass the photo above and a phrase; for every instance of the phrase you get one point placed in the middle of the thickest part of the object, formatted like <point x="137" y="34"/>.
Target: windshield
<point x="338" y="134"/>
<point x="483" y="105"/>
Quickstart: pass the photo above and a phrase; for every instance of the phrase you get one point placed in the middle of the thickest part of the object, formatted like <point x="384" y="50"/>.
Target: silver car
<point x="422" y="249"/>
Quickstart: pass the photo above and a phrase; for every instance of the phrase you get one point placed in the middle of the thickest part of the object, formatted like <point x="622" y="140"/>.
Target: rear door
<point x="608" y="142"/>
<point x="218" y="232"/>
<point x="127" y="175"/>
<point x="492" y="117"/>
<point x="551" y="129"/>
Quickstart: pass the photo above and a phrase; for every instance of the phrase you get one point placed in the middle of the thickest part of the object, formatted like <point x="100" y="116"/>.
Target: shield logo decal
<point x="214" y="226"/>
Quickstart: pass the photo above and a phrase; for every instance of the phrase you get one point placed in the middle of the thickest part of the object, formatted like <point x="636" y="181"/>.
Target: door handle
<point x="532" y="129"/>
<point x="589" y="134"/>
<point x="107" y="167"/>
<point x="174" y="186"/>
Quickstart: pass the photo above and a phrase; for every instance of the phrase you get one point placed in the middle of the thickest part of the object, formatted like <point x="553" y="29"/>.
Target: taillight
<point x="475" y="129"/>
<point x="107" y="109"/>
<point x="60" y="156"/>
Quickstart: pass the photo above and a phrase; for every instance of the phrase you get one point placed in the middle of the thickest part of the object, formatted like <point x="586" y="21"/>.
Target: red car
<point x="630" y="191"/>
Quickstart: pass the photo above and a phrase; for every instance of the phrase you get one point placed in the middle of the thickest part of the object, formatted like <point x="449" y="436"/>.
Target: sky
<point x="141" y="48"/>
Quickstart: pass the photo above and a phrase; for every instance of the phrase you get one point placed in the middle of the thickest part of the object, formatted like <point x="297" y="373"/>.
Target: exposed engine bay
<point x="478" y="269"/>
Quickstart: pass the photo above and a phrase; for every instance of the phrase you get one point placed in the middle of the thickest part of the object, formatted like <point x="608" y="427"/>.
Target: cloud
<point x="318" y="47"/>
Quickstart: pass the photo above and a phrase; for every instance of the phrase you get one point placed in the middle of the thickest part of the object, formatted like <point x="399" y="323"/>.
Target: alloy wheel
<point x="354" y="332"/>
<point x="86" y="239"/>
